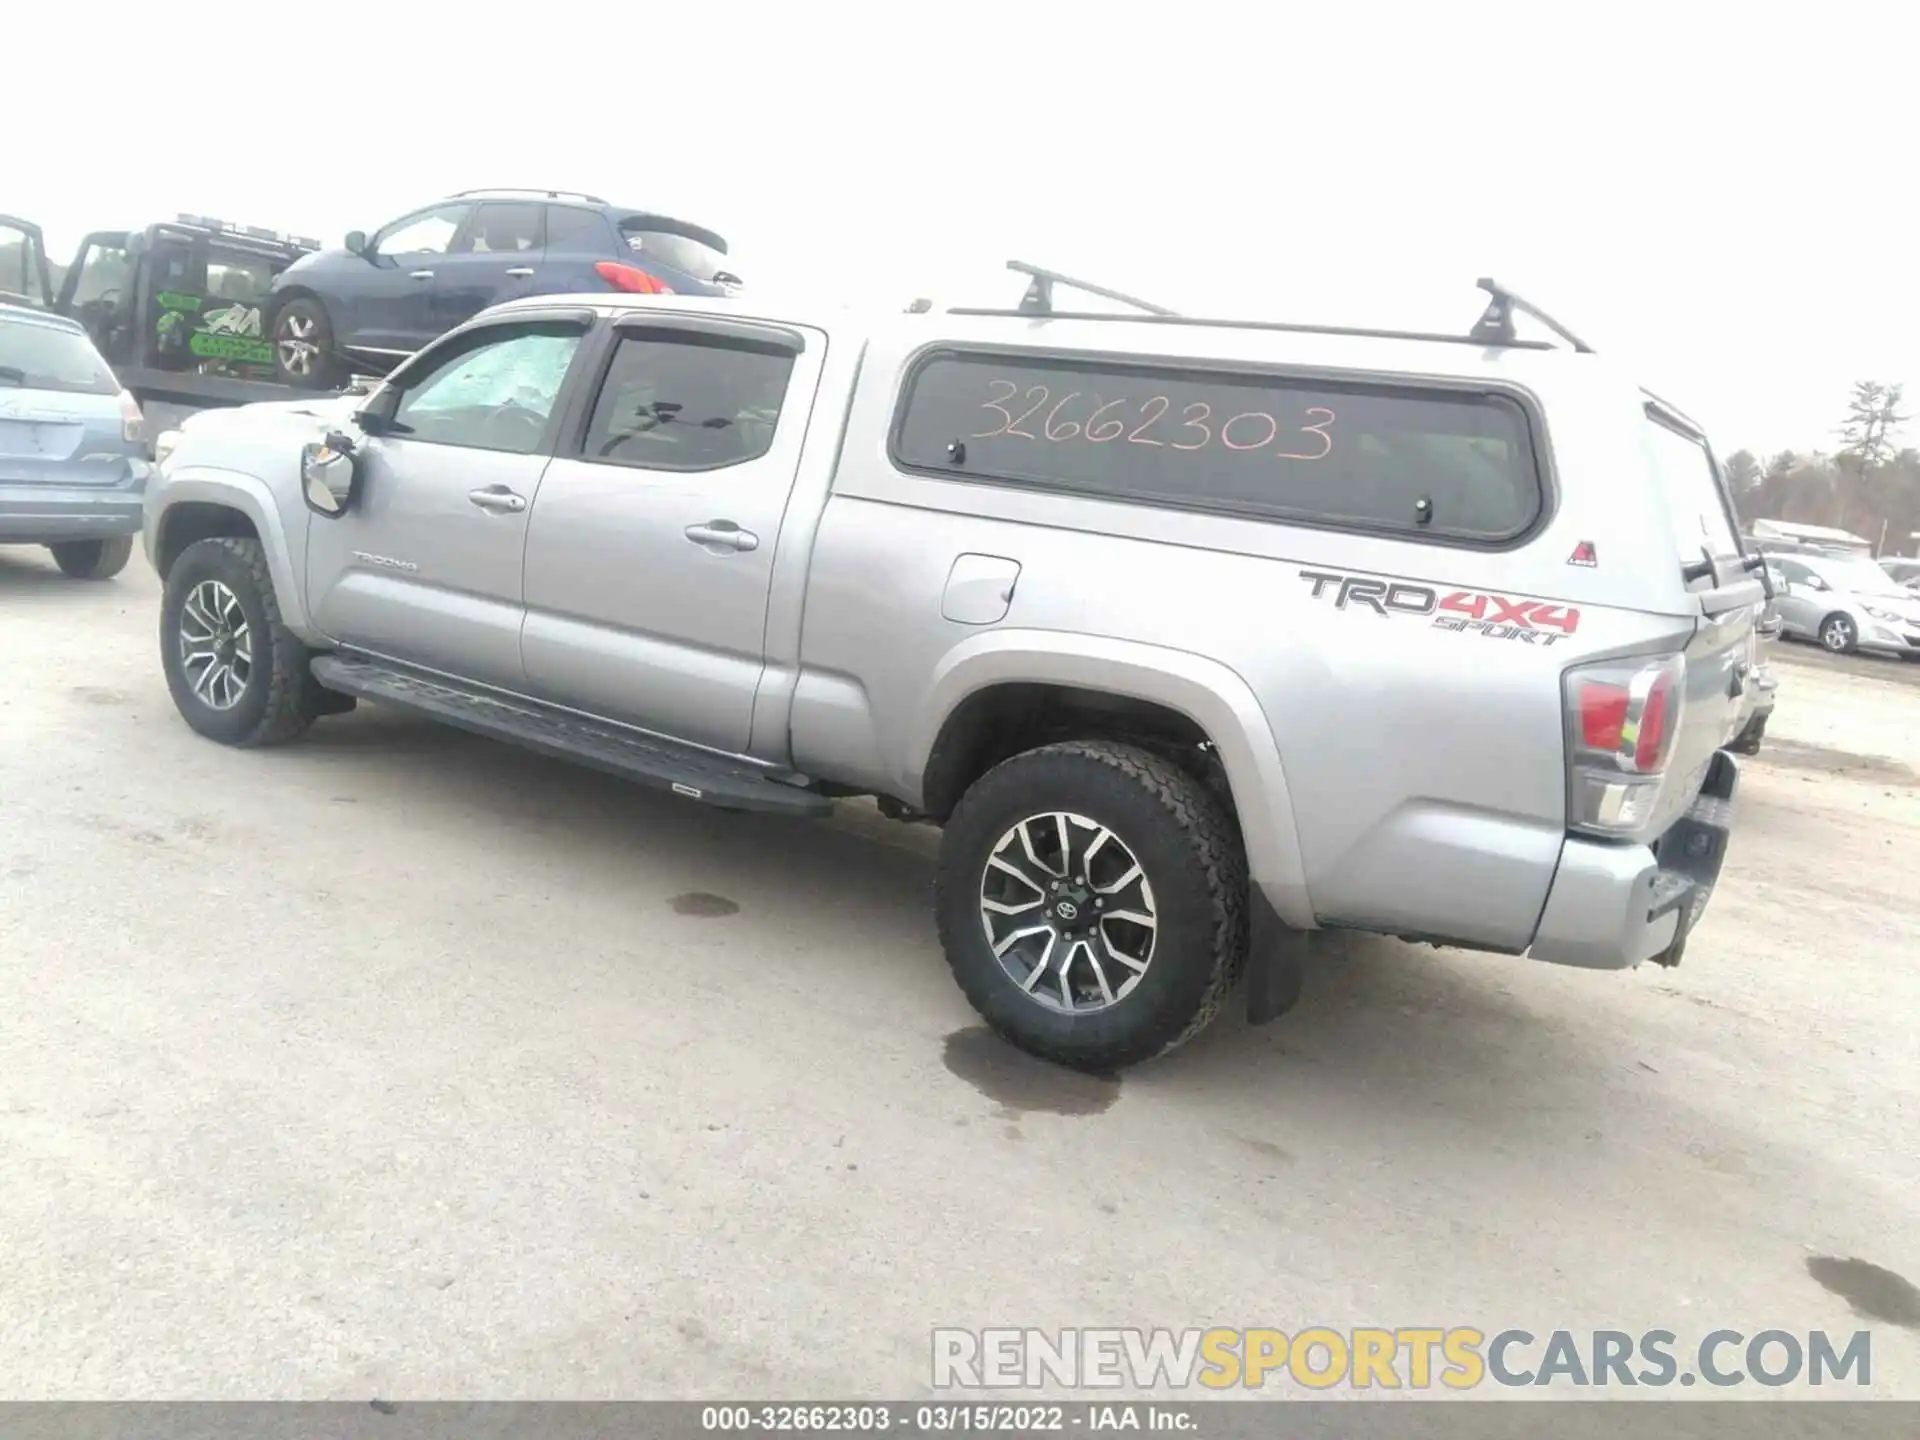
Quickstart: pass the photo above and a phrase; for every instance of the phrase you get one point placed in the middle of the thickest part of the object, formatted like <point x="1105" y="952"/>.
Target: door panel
<point x="1795" y="599"/>
<point x="426" y="564"/>
<point x="416" y="571"/>
<point x="389" y="305"/>
<point x="496" y="258"/>
<point x="650" y="556"/>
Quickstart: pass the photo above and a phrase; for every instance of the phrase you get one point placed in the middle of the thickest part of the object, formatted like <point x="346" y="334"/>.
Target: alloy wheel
<point x="216" y="645"/>
<point x="1068" y="912"/>
<point x="298" y="349"/>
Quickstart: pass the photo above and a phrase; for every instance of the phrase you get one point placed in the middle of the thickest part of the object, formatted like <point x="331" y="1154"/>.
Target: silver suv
<point x="1198" y="638"/>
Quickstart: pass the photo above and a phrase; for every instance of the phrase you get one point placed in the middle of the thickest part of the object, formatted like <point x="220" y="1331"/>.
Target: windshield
<point x="34" y="356"/>
<point x="1863" y="577"/>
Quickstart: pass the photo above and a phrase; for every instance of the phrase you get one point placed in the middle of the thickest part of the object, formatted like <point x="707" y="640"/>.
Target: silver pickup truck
<point x="1197" y="638"/>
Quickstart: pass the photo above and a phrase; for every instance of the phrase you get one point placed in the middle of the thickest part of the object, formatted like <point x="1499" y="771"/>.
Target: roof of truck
<point x="1147" y="338"/>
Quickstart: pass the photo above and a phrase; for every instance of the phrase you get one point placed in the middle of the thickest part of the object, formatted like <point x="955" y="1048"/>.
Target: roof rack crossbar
<point x="1495" y="325"/>
<point x="531" y="190"/>
<point x="232" y="231"/>
<point x="1039" y="297"/>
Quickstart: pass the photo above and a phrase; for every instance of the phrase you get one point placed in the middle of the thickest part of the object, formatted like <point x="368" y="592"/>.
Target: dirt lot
<point x="399" y="1063"/>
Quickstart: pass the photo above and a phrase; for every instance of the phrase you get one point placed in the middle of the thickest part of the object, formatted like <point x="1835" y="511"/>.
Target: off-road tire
<point x="329" y="372"/>
<point x="1191" y="850"/>
<point x="93" y="559"/>
<point x="281" y="698"/>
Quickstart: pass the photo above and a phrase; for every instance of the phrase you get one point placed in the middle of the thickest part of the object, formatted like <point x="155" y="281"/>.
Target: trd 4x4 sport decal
<point x="1497" y="617"/>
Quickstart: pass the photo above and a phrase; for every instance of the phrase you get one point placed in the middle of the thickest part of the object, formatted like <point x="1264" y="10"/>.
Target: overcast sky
<point x="1723" y="195"/>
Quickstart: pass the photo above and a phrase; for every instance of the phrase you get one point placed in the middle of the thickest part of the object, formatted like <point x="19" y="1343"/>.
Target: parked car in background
<point x="1903" y="570"/>
<point x="381" y="297"/>
<point x="1846" y="603"/>
<point x="73" y="450"/>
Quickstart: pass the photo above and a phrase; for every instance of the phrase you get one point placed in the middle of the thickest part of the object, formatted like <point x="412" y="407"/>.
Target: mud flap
<point x="1276" y="961"/>
<point x="1695" y="848"/>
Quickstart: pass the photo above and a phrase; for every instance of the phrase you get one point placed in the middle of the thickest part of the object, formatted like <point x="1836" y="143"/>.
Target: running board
<point x="651" y="760"/>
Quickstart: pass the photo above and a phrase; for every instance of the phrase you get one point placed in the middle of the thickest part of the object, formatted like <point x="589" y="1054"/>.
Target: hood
<point x="325" y="411"/>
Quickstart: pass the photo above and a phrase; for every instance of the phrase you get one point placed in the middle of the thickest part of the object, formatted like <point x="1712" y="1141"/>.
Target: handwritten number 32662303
<point x="1148" y="423"/>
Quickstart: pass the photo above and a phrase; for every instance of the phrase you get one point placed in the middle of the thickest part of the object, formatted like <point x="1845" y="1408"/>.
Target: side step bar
<point x="651" y="760"/>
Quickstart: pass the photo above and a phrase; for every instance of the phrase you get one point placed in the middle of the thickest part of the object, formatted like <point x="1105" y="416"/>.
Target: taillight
<point x="133" y="425"/>
<point x="631" y="278"/>
<point x="1622" y="717"/>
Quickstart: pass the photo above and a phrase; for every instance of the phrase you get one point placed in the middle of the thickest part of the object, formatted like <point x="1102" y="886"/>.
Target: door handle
<point x="723" y="535"/>
<point x="420" y="275"/>
<point x="498" y="499"/>
<point x="521" y="272"/>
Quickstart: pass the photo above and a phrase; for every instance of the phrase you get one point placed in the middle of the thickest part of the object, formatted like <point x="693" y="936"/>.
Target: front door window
<point x="497" y="394"/>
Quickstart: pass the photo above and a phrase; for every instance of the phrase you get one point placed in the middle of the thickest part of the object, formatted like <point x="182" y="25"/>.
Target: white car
<point x="1846" y="603"/>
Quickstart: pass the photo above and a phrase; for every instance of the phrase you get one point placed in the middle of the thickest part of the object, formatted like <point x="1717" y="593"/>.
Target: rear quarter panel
<point x="1418" y="782"/>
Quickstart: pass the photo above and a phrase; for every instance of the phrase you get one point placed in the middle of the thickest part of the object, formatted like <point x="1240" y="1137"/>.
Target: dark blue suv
<point x="380" y="298"/>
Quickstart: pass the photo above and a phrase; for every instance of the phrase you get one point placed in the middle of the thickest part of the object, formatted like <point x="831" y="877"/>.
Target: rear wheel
<point x="303" y="346"/>
<point x="93" y="559"/>
<point x="1839" y="634"/>
<point x="237" y="674"/>
<point x="1091" y="899"/>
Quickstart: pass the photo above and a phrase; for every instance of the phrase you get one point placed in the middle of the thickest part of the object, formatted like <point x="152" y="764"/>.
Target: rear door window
<point x="1690" y="489"/>
<point x="1451" y="464"/>
<point x="503" y="228"/>
<point x="688" y="401"/>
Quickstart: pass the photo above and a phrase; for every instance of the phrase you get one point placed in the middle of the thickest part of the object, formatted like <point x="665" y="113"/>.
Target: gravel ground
<point x="398" y="1063"/>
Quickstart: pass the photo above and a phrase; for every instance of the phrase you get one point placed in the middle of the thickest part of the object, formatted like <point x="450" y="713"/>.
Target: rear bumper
<point x="41" y="514"/>
<point x="1612" y="906"/>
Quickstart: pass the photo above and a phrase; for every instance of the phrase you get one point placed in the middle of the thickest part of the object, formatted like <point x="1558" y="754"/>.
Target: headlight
<point x="163" y="445"/>
<point x="1891" y="617"/>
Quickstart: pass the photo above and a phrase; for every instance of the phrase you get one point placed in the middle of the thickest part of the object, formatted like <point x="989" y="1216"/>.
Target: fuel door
<point x="979" y="589"/>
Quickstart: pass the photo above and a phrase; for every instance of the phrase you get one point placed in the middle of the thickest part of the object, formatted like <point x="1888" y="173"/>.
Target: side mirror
<point x="357" y="242"/>
<point x="327" y="475"/>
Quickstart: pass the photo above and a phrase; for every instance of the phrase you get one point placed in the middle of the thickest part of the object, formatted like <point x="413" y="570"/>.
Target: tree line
<point x="1868" y="484"/>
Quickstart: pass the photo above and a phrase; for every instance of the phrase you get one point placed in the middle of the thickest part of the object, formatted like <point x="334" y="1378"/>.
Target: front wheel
<point x="1091" y="900"/>
<point x="93" y="559"/>
<point x="1839" y="634"/>
<point x="303" y="346"/>
<point x="237" y="674"/>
